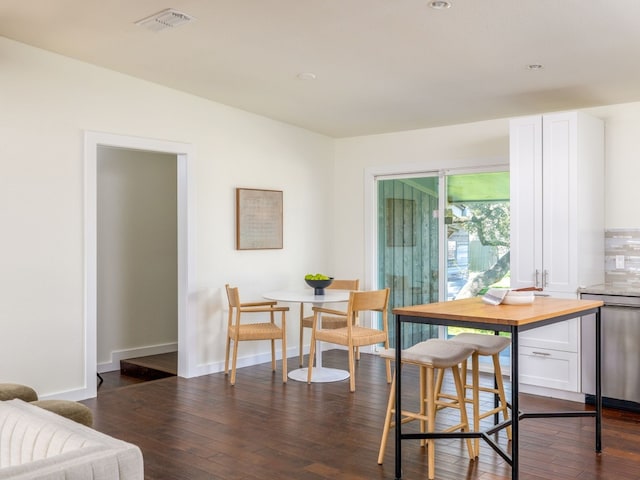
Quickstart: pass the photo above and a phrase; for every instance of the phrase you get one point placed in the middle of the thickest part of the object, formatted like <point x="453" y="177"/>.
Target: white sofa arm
<point x="38" y="444"/>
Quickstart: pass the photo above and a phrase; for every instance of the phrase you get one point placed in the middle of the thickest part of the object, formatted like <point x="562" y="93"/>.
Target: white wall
<point x="46" y="103"/>
<point x="622" y="165"/>
<point x="137" y="260"/>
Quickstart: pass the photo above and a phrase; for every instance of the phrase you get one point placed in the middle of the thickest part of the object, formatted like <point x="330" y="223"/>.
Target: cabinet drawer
<point x="561" y="336"/>
<point x="548" y="368"/>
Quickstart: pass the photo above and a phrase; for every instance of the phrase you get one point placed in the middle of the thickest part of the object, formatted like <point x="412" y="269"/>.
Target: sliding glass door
<point x="441" y="237"/>
<point x="408" y="247"/>
<point x="477" y="223"/>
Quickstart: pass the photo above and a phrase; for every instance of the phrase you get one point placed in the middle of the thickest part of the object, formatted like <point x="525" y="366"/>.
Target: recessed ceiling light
<point x="307" y="76"/>
<point x="439" y="4"/>
<point x="168" y="18"/>
<point x="535" y="66"/>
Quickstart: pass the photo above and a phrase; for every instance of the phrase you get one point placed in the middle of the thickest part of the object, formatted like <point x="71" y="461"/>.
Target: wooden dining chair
<point x="353" y="334"/>
<point x="238" y="331"/>
<point x="336" y="320"/>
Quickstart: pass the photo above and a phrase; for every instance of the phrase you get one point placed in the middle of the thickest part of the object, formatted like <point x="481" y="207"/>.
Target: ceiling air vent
<point x="165" y="19"/>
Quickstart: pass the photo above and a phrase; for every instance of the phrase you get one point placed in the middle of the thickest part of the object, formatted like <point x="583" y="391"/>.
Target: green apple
<point x="317" y="276"/>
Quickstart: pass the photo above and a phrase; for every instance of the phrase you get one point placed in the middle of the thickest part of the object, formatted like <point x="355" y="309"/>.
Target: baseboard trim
<point x="552" y="392"/>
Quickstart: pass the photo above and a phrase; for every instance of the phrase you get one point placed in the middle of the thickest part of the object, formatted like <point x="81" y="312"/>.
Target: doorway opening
<point x="137" y="311"/>
<point x="186" y="317"/>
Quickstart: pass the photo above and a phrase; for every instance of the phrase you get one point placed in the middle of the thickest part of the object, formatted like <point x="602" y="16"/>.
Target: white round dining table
<point x="320" y="374"/>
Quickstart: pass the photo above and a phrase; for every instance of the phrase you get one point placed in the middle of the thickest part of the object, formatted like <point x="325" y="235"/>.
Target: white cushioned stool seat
<point x="484" y="344"/>
<point x="434" y="352"/>
<point x="430" y="355"/>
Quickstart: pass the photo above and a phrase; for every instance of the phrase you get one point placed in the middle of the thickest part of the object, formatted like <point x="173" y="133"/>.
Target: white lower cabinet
<point x="549" y="356"/>
<point x="549" y="368"/>
<point x="557" y="336"/>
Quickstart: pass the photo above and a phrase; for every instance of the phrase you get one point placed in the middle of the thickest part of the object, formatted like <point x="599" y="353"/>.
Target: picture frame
<point x="258" y="219"/>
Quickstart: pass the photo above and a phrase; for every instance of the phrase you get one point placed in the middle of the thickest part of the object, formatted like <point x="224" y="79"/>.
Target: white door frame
<point x="185" y="153"/>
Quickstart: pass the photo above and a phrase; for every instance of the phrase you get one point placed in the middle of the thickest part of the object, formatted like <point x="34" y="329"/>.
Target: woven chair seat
<point x="483" y="343"/>
<point x="257" y="331"/>
<point x="359" y="335"/>
<point x="434" y="352"/>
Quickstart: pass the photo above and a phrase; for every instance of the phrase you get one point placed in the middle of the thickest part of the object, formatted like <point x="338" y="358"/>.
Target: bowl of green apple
<point x="318" y="282"/>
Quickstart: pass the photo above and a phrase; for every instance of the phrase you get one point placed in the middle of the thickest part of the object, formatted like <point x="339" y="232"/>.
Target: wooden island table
<point x="474" y="313"/>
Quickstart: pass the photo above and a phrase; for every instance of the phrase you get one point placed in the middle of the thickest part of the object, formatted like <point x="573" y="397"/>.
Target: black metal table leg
<point x="515" y="409"/>
<point x="598" y="382"/>
<point x="496" y="397"/>
<point x="398" y="413"/>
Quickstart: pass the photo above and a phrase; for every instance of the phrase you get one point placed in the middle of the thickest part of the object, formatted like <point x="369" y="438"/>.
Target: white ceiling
<point x="381" y="65"/>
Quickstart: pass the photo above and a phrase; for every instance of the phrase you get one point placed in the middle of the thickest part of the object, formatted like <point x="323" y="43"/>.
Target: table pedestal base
<point x="320" y="375"/>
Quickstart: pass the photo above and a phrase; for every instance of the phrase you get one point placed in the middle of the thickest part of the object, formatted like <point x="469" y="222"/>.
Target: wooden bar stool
<point x="483" y="345"/>
<point x="428" y="356"/>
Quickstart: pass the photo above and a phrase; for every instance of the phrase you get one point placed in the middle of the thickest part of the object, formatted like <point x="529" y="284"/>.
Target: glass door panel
<point x="408" y="248"/>
<point x="477" y="222"/>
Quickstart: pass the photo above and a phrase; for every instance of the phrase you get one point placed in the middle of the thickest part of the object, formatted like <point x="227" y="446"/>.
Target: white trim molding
<point x="185" y="153"/>
<point x="118" y="355"/>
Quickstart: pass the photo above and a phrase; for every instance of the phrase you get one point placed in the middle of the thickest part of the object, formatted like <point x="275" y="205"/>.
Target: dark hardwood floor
<point x="203" y="428"/>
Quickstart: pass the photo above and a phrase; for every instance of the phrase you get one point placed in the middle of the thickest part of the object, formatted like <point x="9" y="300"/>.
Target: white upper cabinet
<point x="557" y="202"/>
<point x="557" y="233"/>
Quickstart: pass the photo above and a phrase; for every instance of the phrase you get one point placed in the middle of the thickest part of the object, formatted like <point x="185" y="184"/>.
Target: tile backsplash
<point x="622" y="256"/>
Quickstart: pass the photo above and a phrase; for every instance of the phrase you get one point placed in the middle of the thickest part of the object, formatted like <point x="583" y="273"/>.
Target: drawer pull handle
<point x="543" y="354"/>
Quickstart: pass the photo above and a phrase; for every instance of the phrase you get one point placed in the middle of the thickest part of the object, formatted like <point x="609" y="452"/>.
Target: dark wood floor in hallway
<point x="259" y="429"/>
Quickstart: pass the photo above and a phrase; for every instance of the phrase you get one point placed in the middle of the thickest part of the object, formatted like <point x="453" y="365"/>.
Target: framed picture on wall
<point x="258" y="219"/>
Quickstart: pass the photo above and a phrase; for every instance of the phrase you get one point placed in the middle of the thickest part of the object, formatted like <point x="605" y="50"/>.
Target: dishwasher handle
<point x="614" y="300"/>
<point x="621" y="305"/>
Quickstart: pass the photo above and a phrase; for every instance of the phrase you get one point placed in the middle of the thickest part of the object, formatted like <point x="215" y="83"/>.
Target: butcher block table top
<point x="474" y="310"/>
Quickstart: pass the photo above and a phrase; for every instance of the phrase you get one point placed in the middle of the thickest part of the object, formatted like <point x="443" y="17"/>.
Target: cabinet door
<point x="559" y="202"/>
<point x="525" y="163"/>
<point x="549" y="369"/>
<point x="563" y="336"/>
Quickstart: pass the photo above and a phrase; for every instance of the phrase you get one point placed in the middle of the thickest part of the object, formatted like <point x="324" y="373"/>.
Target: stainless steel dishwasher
<point x="620" y="351"/>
